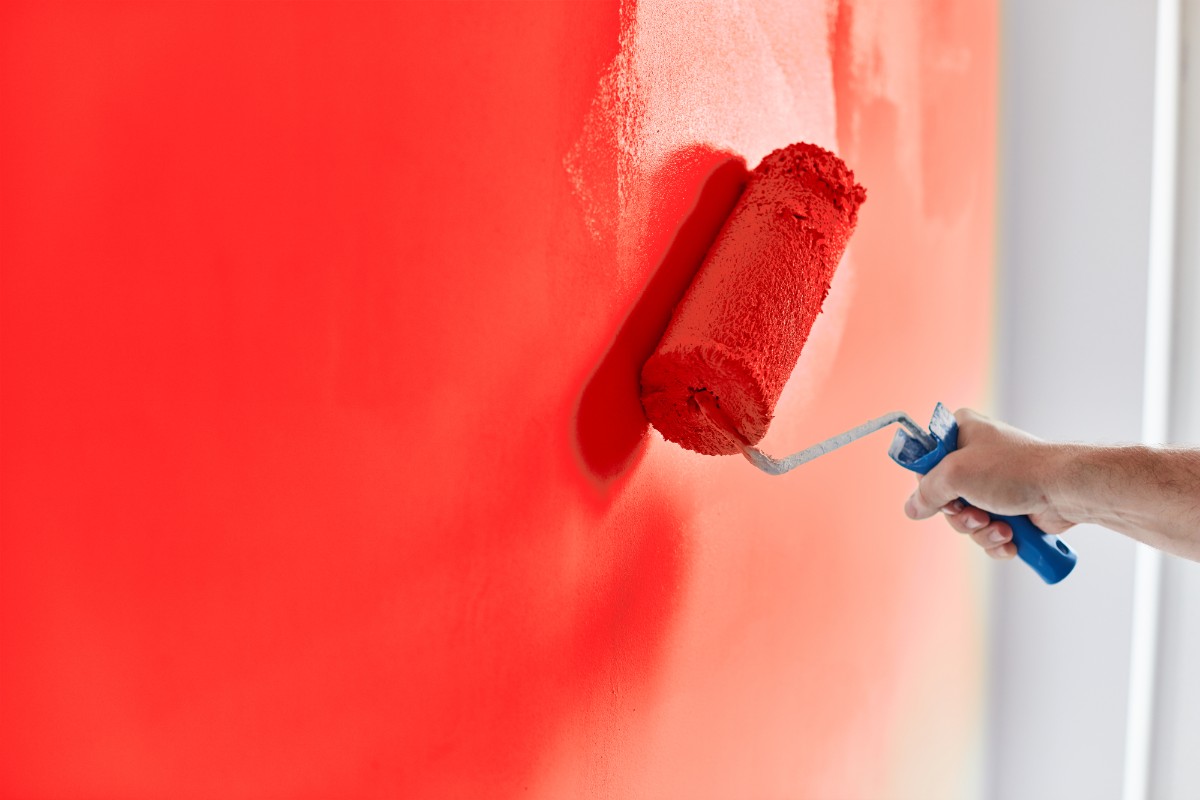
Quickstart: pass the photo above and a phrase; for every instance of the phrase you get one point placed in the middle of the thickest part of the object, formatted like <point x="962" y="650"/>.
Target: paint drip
<point x="737" y="334"/>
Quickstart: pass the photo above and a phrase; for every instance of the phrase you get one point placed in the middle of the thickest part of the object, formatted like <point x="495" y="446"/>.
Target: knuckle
<point x="947" y="473"/>
<point x="964" y="414"/>
<point x="957" y="523"/>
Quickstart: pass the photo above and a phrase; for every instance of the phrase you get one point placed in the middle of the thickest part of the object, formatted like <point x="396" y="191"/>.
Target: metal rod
<point x="778" y="466"/>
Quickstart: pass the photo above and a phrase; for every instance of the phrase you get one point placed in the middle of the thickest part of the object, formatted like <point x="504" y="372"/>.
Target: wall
<point x="301" y="304"/>
<point x="1077" y="98"/>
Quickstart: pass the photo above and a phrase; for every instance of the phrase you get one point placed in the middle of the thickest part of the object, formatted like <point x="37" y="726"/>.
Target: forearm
<point x="1150" y="494"/>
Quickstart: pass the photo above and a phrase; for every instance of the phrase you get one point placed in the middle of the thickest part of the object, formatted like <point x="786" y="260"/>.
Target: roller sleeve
<point x="740" y="327"/>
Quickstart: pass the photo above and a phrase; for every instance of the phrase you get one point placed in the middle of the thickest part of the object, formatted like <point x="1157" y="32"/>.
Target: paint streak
<point x="738" y="332"/>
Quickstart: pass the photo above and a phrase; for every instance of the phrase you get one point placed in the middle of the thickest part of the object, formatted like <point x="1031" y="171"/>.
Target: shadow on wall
<point x="610" y="425"/>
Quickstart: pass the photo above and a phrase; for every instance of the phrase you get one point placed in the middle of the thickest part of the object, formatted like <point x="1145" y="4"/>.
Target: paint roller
<point x="712" y="383"/>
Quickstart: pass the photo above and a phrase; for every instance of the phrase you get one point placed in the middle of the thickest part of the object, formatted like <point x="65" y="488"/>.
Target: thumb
<point x="933" y="491"/>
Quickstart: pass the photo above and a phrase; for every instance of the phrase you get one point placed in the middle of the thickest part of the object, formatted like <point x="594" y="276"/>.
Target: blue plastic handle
<point x="1048" y="555"/>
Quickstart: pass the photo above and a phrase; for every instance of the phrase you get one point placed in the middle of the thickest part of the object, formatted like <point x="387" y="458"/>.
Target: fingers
<point x="936" y="493"/>
<point x="994" y="537"/>
<point x="965" y="519"/>
<point x="996" y="540"/>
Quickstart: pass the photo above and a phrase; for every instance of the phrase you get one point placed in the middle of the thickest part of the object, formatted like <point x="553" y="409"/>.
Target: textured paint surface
<point x="301" y="305"/>
<point x="737" y="333"/>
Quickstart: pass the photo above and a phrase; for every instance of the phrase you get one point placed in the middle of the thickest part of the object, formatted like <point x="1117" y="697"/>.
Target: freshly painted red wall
<point x="312" y="315"/>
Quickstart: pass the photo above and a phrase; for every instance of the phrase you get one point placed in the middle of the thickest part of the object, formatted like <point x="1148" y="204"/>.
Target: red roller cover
<point x="738" y="331"/>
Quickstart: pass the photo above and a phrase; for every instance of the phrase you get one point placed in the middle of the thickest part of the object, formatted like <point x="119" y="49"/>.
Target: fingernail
<point x="910" y="508"/>
<point x="953" y="507"/>
<point x="974" y="523"/>
<point x="996" y="536"/>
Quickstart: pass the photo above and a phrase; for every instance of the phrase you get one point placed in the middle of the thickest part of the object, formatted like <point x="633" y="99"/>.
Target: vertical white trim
<point x="1143" y="653"/>
<point x="1156" y="387"/>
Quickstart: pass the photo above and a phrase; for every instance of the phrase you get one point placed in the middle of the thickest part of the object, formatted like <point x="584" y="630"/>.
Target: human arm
<point x="1149" y="494"/>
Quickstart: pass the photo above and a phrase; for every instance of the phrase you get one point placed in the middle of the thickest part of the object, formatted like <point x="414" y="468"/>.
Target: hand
<point x="998" y="468"/>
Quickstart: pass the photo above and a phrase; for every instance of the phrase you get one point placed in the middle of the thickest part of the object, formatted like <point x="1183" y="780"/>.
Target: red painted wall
<point x="321" y="472"/>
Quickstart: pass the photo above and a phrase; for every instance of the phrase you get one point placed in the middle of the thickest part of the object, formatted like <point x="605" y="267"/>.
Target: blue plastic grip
<point x="1048" y="555"/>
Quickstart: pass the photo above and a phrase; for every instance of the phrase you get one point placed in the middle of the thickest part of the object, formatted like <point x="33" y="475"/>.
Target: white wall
<point x="1076" y="114"/>
<point x="1076" y="131"/>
